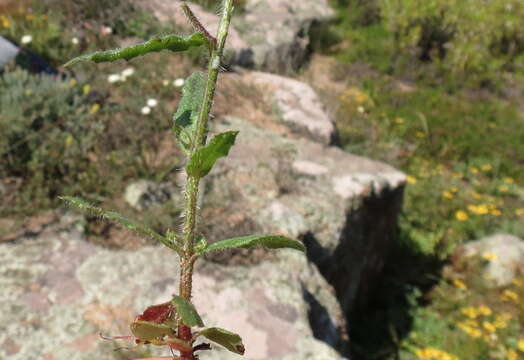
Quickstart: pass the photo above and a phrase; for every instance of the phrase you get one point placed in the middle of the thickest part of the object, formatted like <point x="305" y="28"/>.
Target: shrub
<point x="469" y="38"/>
<point x="48" y="129"/>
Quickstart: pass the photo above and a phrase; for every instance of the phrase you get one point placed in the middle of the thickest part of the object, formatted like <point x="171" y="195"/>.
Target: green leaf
<point x="168" y="42"/>
<point x="269" y="241"/>
<point x="188" y="110"/>
<point x="227" y="339"/>
<point x="118" y="218"/>
<point x="147" y="330"/>
<point x="204" y="158"/>
<point x="187" y="312"/>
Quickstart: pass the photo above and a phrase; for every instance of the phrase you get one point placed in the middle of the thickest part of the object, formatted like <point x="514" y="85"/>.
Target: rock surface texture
<point x="59" y="292"/>
<point x="508" y="261"/>
<point x="270" y="35"/>
<point x="343" y="206"/>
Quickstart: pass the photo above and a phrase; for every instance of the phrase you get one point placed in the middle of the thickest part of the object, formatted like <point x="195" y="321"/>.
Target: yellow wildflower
<point x="512" y="355"/>
<point x="86" y="89"/>
<point x="474" y="170"/>
<point x="485" y="310"/>
<point x="517" y="282"/>
<point x="495" y="212"/>
<point x="448" y="194"/>
<point x="420" y="134"/>
<point x="470" y="312"/>
<point x="94" y="109"/>
<point x="399" y="120"/>
<point x="500" y="323"/>
<point x="486" y="167"/>
<point x="519" y="211"/>
<point x="509" y="295"/>
<point x="489" y="256"/>
<point x="69" y="141"/>
<point x="72" y="82"/>
<point x="476" y="195"/>
<point x="459" y="284"/>
<point x="489" y="327"/>
<point x="457" y="175"/>
<point x="509" y="180"/>
<point x="461" y="215"/>
<point x="503" y="188"/>
<point x="470" y="330"/>
<point x="453" y="189"/>
<point x="430" y="353"/>
<point x="520" y="345"/>
<point x="4" y="21"/>
<point x="411" y="179"/>
<point x="492" y="125"/>
<point x="478" y="209"/>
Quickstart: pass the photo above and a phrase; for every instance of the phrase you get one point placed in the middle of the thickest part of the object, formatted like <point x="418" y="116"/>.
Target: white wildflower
<point x="113" y="78"/>
<point x="146" y="110"/>
<point x="361" y="109"/>
<point x="75" y="41"/>
<point x="165" y="82"/>
<point x="128" y="72"/>
<point x="152" y="102"/>
<point x="106" y="30"/>
<point x="26" y="39"/>
<point x="179" y="82"/>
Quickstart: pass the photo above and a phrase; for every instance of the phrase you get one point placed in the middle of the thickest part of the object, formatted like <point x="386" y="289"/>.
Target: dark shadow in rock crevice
<point x="377" y="273"/>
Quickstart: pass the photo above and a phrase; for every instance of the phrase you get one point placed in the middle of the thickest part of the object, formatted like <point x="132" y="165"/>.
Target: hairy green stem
<point x="191" y="190"/>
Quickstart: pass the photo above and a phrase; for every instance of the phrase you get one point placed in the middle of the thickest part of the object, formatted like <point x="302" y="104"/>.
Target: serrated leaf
<point x="118" y="218"/>
<point x="269" y="241"/>
<point x="186" y="116"/>
<point x="204" y="158"/>
<point x="187" y="312"/>
<point x="229" y="340"/>
<point x="168" y="42"/>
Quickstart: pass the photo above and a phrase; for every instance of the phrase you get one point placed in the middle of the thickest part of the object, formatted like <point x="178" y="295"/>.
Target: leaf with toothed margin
<point x="186" y="115"/>
<point x="204" y="158"/>
<point x="174" y="43"/>
<point x="187" y="312"/>
<point x="269" y="241"/>
<point x="227" y="339"/>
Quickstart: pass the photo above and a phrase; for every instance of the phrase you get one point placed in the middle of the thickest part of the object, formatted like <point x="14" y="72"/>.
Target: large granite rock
<point x="59" y="292"/>
<point x="296" y="104"/>
<point x="505" y="253"/>
<point x="8" y="51"/>
<point x="343" y="206"/>
<point x="272" y="35"/>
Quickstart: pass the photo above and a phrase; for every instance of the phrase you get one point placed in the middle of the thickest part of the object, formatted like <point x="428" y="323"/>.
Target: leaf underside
<point x="227" y="339"/>
<point x="204" y="158"/>
<point x="186" y="116"/>
<point x="187" y="312"/>
<point x="168" y="42"/>
<point x="269" y="241"/>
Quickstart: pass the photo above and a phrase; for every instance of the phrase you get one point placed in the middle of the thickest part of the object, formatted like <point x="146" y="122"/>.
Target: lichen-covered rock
<point x="296" y="104"/>
<point x="507" y="253"/>
<point x="59" y="292"/>
<point x="343" y="206"/>
<point x="271" y="35"/>
<point x="144" y="194"/>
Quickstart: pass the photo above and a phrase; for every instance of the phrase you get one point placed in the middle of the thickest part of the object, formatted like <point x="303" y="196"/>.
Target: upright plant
<point x="176" y="323"/>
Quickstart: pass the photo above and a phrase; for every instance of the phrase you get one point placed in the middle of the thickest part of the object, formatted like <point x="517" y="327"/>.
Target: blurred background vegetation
<point x="433" y="87"/>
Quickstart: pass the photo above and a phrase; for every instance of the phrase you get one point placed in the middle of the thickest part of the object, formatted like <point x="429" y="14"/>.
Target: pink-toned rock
<point x="296" y="104"/>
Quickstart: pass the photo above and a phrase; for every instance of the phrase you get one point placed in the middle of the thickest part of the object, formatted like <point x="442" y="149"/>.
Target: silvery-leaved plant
<point x="176" y="323"/>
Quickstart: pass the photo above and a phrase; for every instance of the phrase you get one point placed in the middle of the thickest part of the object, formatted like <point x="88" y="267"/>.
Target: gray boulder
<point x="508" y="257"/>
<point x="343" y="206"/>
<point x="59" y="292"/>
<point x="270" y="35"/>
<point x="296" y="104"/>
<point x="8" y="51"/>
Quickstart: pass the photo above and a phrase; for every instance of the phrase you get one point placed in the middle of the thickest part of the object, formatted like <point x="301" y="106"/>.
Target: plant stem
<point x="191" y="190"/>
